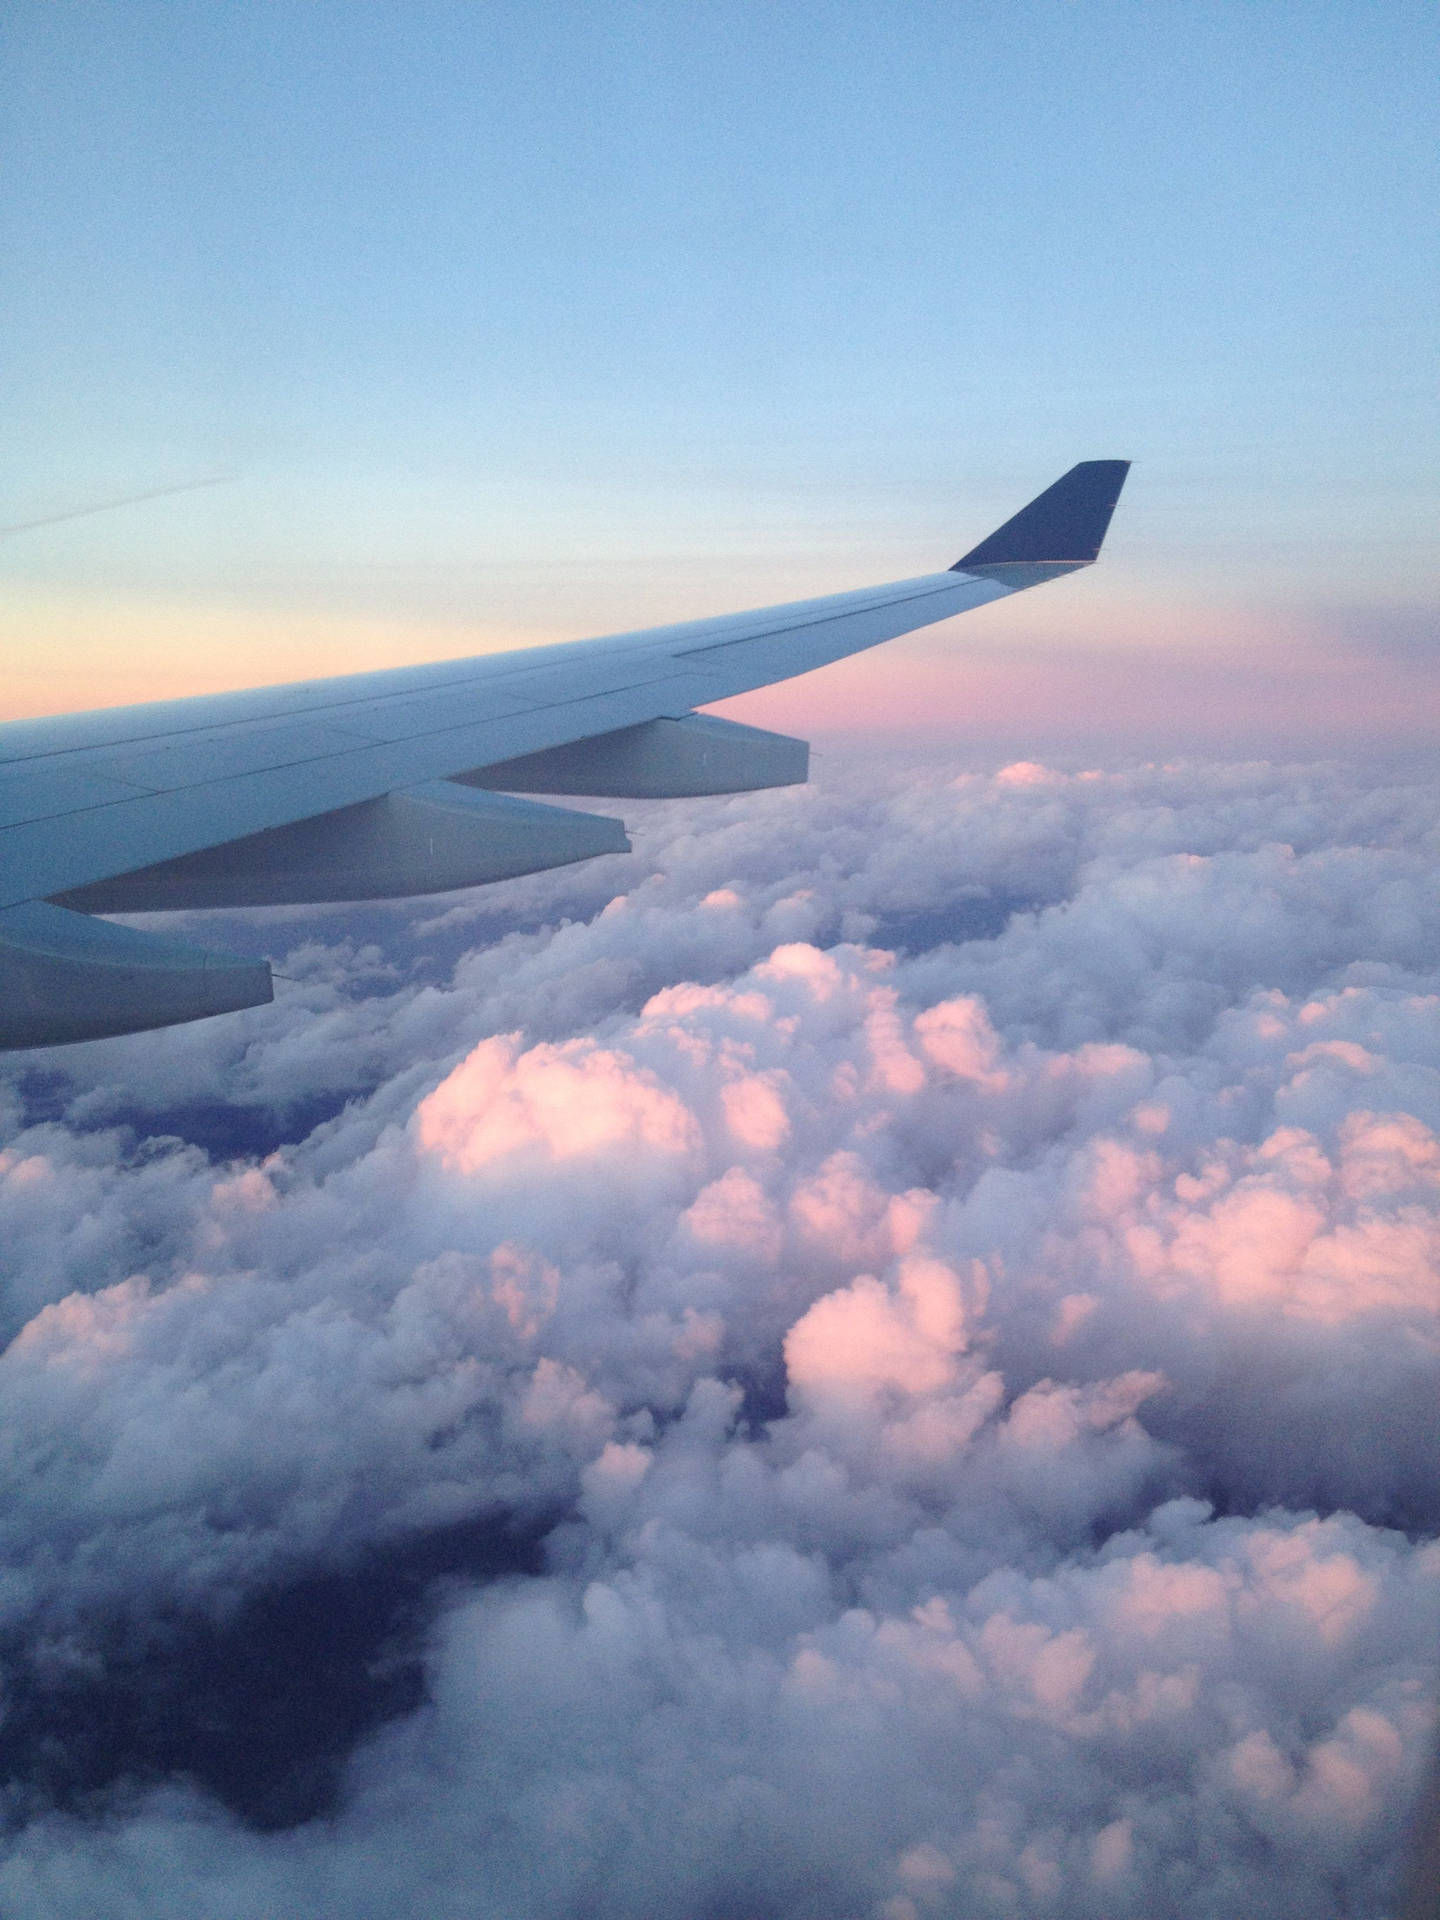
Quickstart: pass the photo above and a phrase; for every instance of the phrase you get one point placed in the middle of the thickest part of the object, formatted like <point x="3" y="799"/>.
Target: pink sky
<point x="1175" y="677"/>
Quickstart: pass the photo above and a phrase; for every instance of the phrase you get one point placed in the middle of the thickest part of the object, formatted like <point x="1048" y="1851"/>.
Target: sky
<point x="875" y="1357"/>
<point x="492" y="328"/>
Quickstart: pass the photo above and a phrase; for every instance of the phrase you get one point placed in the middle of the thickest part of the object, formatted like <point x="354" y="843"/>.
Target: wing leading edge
<point x="395" y="783"/>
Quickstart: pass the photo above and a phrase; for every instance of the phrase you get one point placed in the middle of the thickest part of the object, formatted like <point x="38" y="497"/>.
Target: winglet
<point x="1062" y="527"/>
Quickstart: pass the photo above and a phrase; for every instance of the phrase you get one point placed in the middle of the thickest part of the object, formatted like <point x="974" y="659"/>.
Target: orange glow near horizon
<point x="68" y="658"/>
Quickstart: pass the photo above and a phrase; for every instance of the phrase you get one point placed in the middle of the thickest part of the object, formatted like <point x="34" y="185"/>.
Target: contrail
<point x="124" y="500"/>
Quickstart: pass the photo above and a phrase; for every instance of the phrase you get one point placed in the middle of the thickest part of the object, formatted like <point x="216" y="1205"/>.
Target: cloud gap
<point x="259" y="1706"/>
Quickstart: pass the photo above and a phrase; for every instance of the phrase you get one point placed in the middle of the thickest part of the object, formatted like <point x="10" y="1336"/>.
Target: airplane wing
<point x="381" y="785"/>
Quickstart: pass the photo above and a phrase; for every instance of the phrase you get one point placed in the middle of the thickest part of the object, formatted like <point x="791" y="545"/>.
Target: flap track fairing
<point x="669" y="759"/>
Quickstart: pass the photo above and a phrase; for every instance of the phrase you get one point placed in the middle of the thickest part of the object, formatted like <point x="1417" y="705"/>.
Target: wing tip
<point x="1063" y="526"/>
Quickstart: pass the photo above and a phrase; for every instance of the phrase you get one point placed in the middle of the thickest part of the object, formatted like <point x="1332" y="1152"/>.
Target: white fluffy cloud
<point x="979" y="1398"/>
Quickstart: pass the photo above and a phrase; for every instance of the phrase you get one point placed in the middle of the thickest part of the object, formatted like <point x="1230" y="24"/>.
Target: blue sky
<point x="520" y="322"/>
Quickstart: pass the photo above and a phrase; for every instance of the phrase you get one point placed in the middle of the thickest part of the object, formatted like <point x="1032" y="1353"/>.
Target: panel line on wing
<point x="820" y="620"/>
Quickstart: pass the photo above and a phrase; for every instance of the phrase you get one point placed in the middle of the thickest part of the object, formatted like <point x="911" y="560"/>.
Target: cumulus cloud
<point x="935" y="1280"/>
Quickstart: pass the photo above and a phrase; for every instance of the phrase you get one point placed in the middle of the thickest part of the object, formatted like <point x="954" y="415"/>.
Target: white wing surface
<point x="401" y="782"/>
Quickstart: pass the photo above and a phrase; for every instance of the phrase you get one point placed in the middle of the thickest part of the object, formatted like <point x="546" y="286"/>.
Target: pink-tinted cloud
<point x="969" y="1393"/>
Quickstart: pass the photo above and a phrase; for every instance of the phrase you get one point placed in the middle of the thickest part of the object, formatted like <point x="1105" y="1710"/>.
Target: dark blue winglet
<point x="1063" y="525"/>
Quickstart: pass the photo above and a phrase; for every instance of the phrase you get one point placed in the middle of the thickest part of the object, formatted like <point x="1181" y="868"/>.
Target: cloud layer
<point x="923" y="1307"/>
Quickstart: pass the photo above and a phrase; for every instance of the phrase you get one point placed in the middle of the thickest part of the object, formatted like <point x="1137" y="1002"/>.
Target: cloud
<point x="961" y="1410"/>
